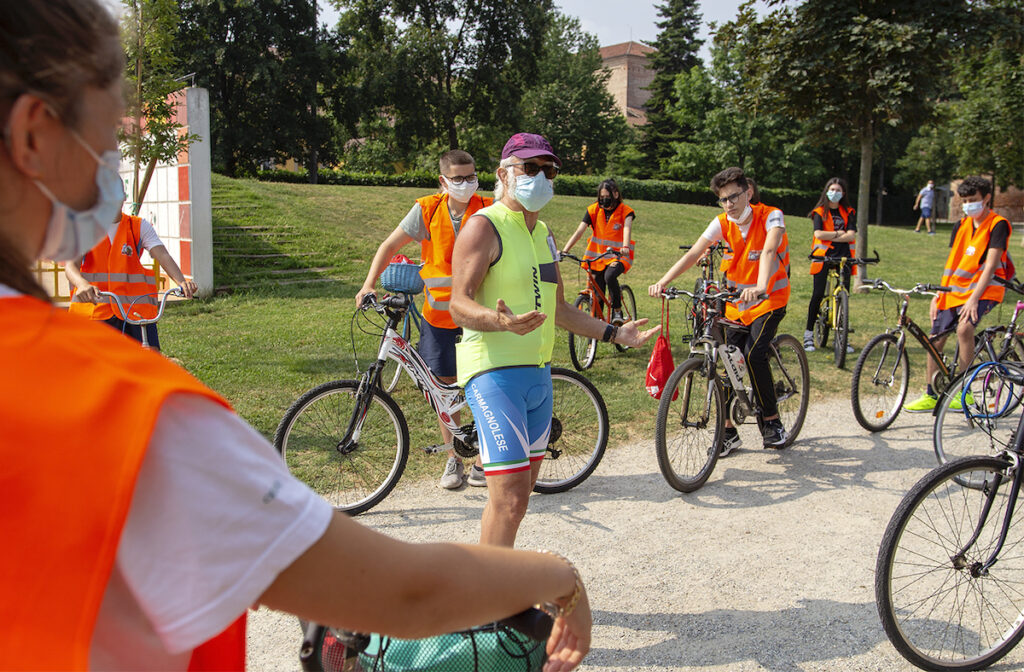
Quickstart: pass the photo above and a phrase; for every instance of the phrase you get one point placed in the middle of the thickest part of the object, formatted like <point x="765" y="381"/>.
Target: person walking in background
<point x="435" y="221"/>
<point x="611" y="224"/>
<point x="507" y="295"/>
<point x="925" y="200"/>
<point x="835" y="233"/>
<point x="115" y="266"/>
<point x="978" y="254"/>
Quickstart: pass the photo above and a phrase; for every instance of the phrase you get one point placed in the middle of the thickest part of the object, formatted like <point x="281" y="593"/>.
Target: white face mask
<point x="461" y="192"/>
<point x="743" y="215"/>
<point x="973" y="209"/>
<point x="834" y="196"/>
<point x="70" y="233"/>
<point x="533" y="193"/>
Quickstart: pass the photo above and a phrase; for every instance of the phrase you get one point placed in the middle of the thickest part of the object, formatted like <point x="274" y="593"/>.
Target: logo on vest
<point x="754" y="255"/>
<point x="970" y="251"/>
<point x="536" y="290"/>
<point x="126" y="250"/>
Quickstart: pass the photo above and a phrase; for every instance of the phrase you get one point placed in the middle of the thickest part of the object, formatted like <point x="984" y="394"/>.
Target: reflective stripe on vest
<point x="963" y="268"/>
<point x="436" y="251"/>
<point x="526" y="278"/>
<point x="821" y="247"/>
<point x="109" y="269"/>
<point x="607" y="233"/>
<point x="57" y="558"/>
<point x="741" y="269"/>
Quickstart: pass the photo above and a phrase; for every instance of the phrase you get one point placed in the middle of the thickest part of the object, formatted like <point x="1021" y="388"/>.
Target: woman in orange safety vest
<point x="835" y="233"/>
<point x="611" y="224"/>
<point x="145" y="517"/>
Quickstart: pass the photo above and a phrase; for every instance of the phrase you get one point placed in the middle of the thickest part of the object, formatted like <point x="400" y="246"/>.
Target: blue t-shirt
<point x="927" y="197"/>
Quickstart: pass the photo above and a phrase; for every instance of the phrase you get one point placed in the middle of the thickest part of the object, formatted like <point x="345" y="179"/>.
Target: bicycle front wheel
<point x="792" y="381"/>
<point x="691" y="421"/>
<point x="879" y="385"/>
<point x="352" y="478"/>
<point x="579" y="433"/>
<point x="581" y="348"/>
<point x="939" y="608"/>
<point x="629" y="309"/>
<point x="840" y="339"/>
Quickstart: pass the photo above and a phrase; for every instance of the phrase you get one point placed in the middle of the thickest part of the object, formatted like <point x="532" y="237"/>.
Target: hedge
<point x="791" y="201"/>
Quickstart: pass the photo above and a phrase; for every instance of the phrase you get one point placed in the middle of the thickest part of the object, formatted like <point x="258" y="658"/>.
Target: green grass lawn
<point x="262" y="344"/>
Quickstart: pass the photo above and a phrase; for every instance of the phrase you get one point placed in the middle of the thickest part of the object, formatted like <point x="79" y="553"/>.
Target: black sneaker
<point x="774" y="434"/>
<point x="730" y="441"/>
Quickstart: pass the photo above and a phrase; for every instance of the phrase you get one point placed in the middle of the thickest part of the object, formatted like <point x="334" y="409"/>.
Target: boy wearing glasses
<point x="434" y="221"/>
<point x="757" y="264"/>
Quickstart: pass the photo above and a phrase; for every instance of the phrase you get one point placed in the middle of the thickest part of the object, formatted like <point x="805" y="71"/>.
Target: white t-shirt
<point x="713" y="233"/>
<point x="147" y="235"/>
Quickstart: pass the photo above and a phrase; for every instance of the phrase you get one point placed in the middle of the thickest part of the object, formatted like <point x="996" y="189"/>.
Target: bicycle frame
<point x="599" y="301"/>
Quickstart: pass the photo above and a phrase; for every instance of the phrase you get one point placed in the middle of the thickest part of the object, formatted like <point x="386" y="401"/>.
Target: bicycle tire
<point x="1012" y="350"/>
<point x="392" y="372"/>
<point x="580" y="417"/>
<point x="308" y="437"/>
<point x="880" y="381"/>
<point x="582" y="349"/>
<point x="926" y="532"/>
<point x="839" y="339"/>
<point x="823" y="324"/>
<point x="789" y="369"/>
<point x="687" y="457"/>
<point x="629" y="305"/>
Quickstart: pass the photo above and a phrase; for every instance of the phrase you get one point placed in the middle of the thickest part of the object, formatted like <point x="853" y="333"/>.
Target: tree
<point x="153" y="74"/>
<point x="850" y="68"/>
<point x="677" y="46"/>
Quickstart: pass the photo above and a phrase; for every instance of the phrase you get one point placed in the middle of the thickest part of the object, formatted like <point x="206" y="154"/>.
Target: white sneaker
<point x="476" y="477"/>
<point x="452" y="476"/>
<point x="809" y="344"/>
<point x="849" y="349"/>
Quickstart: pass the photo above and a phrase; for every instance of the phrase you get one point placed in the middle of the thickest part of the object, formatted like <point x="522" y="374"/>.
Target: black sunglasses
<point x="531" y="168"/>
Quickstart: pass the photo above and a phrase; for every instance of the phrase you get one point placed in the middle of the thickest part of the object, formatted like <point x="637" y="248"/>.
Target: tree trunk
<point x="879" y="194"/>
<point x="867" y="145"/>
<point x="142" y="188"/>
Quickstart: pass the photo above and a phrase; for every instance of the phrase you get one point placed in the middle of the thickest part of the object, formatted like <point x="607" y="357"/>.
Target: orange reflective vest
<point x="68" y="477"/>
<point x="821" y="247"/>
<point x="963" y="266"/>
<point x="741" y="262"/>
<point x="607" y="234"/>
<point x="437" y="255"/>
<point x="115" y="267"/>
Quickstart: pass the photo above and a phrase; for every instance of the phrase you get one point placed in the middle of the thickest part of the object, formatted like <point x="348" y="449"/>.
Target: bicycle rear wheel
<point x="691" y="421"/>
<point x="352" y="478"/>
<point x="629" y="308"/>
<point x="792" y="381"/>
<point x="879" y="385"/>
<point x="937" y="608"/>
<point x="579" y="433"/>
<point x="392" y="370"/>
<point x="839" y="340"/>
<point x="582" y="349"/>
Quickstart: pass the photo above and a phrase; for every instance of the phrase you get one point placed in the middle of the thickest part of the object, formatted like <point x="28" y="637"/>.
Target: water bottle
<point x="735" y="361"/>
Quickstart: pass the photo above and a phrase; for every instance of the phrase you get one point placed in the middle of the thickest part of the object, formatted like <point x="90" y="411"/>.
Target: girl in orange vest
<point x="835" y="230"/>
<point x="146" y="517"/>
<point x="611" y="222"/>
<point x="757" y="264"/>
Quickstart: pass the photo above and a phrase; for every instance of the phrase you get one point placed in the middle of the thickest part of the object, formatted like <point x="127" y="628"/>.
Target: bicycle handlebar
<point x="919" y="288"/>
<point x="834" y="261"/>
<point x="588" y="262"/>
<point x="729" y="294"/>
<point x="398" y="301"/>
<point x="1012" y="284"/>
<point x="177" y="291"/>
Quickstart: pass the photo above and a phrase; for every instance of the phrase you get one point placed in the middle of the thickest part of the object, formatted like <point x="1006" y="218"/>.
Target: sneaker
<point x="774" y="434"/>
<point x="730" y="441"/>
<point x="849" y="349"/>
<point x="931" y="233"/>
<point x="476" y="477"/>
<point x="809" y="343"/>
<point x="617" y="318"/>
<point x="954" y="404"/>
<point x="924" y="404"/>
<point x="452" y="476"/>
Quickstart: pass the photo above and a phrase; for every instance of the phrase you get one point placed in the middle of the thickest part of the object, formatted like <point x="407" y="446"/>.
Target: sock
<point x="808" y="334"/>
<point x="929" y="391"/>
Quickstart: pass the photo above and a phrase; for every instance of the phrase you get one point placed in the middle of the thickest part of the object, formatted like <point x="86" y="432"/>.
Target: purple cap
<point x="527" y="146"/>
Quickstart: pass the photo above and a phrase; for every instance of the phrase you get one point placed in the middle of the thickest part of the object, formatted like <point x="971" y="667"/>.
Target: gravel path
<point x="770" y="566"/>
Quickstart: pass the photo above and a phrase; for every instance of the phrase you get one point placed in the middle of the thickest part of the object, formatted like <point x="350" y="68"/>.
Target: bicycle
<point x="877" y="400"/>
<point x="834" y="311"/>
<point x="709" y="262"/>
<point x="583" y="349"/>
<point x="138" y="320"/>
<point x="688" y="434"/>
<point x="949" y="568"/>
<point x="392" y="371"/>
<point x="349" y="440"/>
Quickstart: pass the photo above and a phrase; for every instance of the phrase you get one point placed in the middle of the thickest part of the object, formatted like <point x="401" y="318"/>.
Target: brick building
<point x="631" y="74"/>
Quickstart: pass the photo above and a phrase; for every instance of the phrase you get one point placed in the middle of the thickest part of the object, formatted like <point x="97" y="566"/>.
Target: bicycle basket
<point x="400" y="277"/>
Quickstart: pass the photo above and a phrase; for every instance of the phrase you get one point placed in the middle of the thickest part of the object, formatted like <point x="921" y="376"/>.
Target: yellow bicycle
<point x="834" y="312"/>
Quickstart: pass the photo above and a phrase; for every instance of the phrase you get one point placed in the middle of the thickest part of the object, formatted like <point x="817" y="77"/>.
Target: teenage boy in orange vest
<point x="114" y="265"/>
<point x="757" y="263"/>
<point x="976" y="256"/>
<point x="434" y="221"/>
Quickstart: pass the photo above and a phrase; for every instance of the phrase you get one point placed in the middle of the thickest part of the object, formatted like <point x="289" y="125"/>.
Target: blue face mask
<point x="834" y="196"/>
<point x="973" y="209"/>
<point x="70" y="233"/>
<point x="533" y="193"/>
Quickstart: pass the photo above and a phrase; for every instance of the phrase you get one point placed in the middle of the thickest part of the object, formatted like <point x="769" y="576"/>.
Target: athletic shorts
<point x="512" y="410"/>
<point x="926" y="213"/>
<point x="946" y="320"/>
<point x="437" y="348"/>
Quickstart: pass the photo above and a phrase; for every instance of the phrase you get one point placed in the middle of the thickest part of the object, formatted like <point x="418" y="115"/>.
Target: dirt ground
<point x="770" y="566"/>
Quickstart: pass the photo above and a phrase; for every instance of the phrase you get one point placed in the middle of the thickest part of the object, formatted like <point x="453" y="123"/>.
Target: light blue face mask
<point x="834" y="196"/>
<point x="533" y="193"/>
<point x="70" y="233"/>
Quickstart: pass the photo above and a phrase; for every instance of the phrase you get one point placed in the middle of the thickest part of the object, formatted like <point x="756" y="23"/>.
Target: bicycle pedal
<point x="437" y="448"/>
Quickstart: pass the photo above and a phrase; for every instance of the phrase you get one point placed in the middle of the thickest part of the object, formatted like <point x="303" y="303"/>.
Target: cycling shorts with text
<point x="512" y="409"/>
